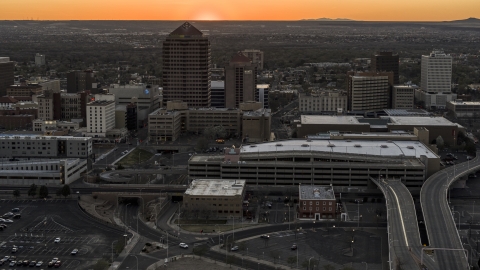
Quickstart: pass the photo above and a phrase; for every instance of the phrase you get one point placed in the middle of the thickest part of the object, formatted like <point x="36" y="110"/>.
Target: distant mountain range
<point x="329" y="20"/>
<point x="469" y="20"/>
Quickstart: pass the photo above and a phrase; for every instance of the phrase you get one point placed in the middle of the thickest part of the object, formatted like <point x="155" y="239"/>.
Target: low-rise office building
<point x="464" y="109"/>
<point x="323" y="101"/>
<point x="42" y="172"/>
<point x="403" y="96"/>
<point x="45" y="146"/>
<point x="27" y="90"/>
<point x="316" y="202"/>
<point x="45" y="126"/>
<point x="347" y="163"/>
<point x="434" y="100"/>
<point x="168" y="123"/>
<point x="100" y="118"/>
<point x="220" y="198"/>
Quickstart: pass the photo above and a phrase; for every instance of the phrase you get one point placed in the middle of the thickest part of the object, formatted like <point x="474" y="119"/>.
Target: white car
<point x="40" y="263"/>
<point x="74" y="252"/>
<point x="183" y="245"/>
<point x="57" y="240"/>
<point x="55" y="260"/>
<point x="8" y="221"/>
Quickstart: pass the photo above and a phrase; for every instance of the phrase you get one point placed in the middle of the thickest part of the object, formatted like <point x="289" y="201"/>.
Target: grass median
<point x="135" y="157"/>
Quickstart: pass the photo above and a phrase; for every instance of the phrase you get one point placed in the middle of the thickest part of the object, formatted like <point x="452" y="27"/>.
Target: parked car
<point x="14" y="250"/>
<point x="8" y="221"/>
<point x="294" y="247"/>
<point x="32" y="263"/>
<point x="57" y="240"/>
<point x="183" y="245"/>
<point x="15" y="210"/>
<point x="74" y="252"/>
<point x="12" y="263"/>
<point x="26" y="262"/>
<point x="40" y="263"/>
<point x="58" y="264"/>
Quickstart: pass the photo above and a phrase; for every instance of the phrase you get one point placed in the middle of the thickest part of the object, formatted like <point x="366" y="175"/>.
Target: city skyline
<point x="369" y="10"/>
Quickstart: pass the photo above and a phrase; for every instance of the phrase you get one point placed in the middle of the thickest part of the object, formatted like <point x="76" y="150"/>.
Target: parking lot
<point x="43" y="221"/>
<point x="345" y="245"/>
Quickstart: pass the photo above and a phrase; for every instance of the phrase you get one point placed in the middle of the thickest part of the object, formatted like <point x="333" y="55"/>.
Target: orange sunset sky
<point x="368" y="10"/>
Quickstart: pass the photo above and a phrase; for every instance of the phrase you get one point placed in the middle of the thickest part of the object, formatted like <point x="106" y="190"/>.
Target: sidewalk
<point x="131" y="243"/>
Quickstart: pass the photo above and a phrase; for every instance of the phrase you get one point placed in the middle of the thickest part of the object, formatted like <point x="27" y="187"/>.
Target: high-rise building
<point x="386" y="61"/>
<point x="63" y="106"/>
<point x="369" y="91"/>
<point x="261" y="94"/>
<point x="100" y="117"/>
<point x="437" y="72"/>
<point x="256" y="56"/>
<point x="240" y="81"/>
<point x="79" y="80"/>
<point x="6" y="75"/>
<point x="39" y="60"/>
<point x="186" y="66"/>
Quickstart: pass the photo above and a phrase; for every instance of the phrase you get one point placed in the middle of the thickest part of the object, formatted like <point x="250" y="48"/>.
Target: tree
<point x="215" y="132"/>
<point x="32" y="191"/>
<point x="16" y="193"/>
<point x="43" y="192"/>
<point x="202" y="144"/>
<point x="328" y="267"/>
<point x="292" y="260"/>
<point x="65" y="191"/>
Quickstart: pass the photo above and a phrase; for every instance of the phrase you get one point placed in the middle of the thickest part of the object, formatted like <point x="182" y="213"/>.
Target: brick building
<point x="316" y="202"/>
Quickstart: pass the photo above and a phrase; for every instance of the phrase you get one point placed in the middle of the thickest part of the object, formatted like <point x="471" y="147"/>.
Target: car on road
<point x="294" y="247"/>
<point x="74" y="252"/>
<point x="183" y="245"/>
<point x="235" y="248"/>
<point x="265" y="236"/>
<point x="57" y="240"/>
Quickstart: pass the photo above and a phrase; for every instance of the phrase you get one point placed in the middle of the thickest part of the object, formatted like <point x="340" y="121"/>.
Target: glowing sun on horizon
<point x="207" y="16"/>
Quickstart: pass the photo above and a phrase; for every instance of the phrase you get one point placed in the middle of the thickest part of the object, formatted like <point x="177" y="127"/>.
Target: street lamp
<point x="112" y="249"/>
<point x="135" y="258"/>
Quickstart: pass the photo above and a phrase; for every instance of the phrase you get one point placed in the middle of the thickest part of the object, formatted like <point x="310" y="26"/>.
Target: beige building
<point x="323" y="101"/>
<point x="464" y="108"/>
<point x="45" y="106"/>
<point x="215" y="197"/>
<point x="369" y="91"/>
<point x="256" y="56"/>
<point x="403" y="96"/>
<point x="26" y="90"/>
<point x="100" y="117"/>
<point x="168" y="123"/>
<point x="48" y="125"/>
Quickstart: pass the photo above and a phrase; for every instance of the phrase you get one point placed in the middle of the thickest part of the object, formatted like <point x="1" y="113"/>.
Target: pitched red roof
<point x="7" y="99"/>
<point x="186" y="29"/>
<point x="240" y="58"/>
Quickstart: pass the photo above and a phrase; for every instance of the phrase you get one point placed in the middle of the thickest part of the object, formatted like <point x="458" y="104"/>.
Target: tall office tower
<point x="386" y="61"/>
<point x="6" y="75"/>
<point x="437" y="72"/>
<point x="256" y="56"/>
<point x="240" y="81"/>
<point x="186" y="67"/>
<point x="39" y="60"/>
<point x="79" y="80"/>
<point x="369" y="91"/>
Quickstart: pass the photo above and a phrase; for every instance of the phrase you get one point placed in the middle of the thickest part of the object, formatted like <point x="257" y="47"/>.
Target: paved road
<point x="404" y="237"/>
<point x="439" y="222"/>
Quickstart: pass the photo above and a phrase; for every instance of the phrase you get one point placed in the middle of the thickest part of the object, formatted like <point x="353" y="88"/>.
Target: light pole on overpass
<point x="458" y="218"/>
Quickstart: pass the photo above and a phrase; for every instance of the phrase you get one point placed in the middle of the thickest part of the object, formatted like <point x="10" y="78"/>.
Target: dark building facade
<point x="240" y="81"/>
<point x="186" y="67"/>
<point x="386" y="61"/>
<point x="218" y="94"/>
<point x="79" y="80"/>
<point x="6" y="75"/>
<point x="131" y="116"/>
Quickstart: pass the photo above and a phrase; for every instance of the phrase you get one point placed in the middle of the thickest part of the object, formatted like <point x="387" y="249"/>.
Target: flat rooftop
<point x="215" y="187"/>
<point x="384" y="148"/>
<point x="38" y="137"/>
<point x="406" y="112"/>
<point x="307" y="192"/>
<point x="420" y="121"/>
<point x="465" y="102"/>
<point x="330" y="120"/>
